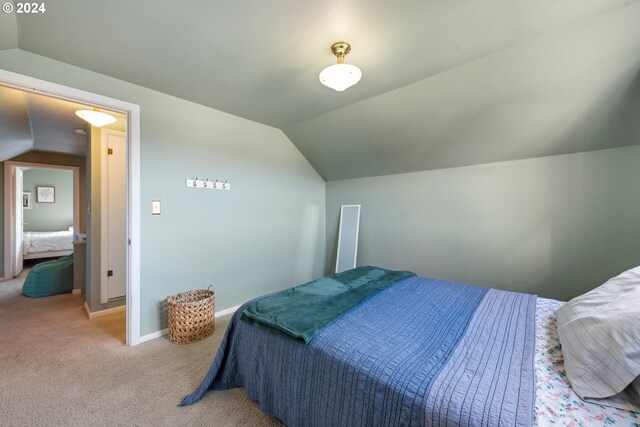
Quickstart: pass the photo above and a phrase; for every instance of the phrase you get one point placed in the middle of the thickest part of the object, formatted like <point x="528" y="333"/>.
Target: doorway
<point x="57" y="129"/>
<point x="132" y="203"/>
<point x="45" y="211"/>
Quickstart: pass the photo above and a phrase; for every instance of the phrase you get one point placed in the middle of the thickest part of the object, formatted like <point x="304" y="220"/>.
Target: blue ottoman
<point x="50" y="278"/>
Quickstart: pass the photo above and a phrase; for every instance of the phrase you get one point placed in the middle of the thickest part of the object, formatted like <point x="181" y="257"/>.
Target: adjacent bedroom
<point x="47" y="214"/>
<point x="330" y="213"/>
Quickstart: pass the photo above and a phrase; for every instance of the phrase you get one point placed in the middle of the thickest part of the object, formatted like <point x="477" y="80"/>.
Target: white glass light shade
<point x="340" y="76"/>
<point x="96" y="118"/>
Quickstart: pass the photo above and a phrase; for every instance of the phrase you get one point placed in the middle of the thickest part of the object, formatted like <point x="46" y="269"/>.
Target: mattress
<point x="270" y="366"/>
<point x="45" y="241"/>
<point x="556" y="403"/>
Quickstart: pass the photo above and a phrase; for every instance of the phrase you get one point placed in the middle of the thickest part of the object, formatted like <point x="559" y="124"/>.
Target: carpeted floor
<point x="59" y="368"/>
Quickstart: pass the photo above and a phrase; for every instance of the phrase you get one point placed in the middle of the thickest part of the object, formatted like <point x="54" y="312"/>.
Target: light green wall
<point x="49" y="216"/>
<point x="266" y="234"/>
<point x="555" y="226"/>
<point x="59" y="159"/>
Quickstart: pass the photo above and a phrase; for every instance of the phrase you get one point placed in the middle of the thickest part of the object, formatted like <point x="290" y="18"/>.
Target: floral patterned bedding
<point x="556" y="403"/>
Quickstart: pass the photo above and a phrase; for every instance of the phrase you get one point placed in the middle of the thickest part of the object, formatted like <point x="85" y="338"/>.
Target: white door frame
<point x="30" y="84"/>
<point x="10" y="207"/>
<point x="17" y="240"/>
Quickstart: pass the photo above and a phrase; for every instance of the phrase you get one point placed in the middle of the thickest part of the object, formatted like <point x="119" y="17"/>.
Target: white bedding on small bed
<point x="45" y="241"/>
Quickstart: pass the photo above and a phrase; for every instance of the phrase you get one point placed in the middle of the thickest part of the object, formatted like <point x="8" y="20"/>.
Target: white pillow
<point x="600" y="337"/>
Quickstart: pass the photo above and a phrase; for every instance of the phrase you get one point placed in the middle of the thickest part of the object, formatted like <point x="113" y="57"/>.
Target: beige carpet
<point x="59" y="368"/>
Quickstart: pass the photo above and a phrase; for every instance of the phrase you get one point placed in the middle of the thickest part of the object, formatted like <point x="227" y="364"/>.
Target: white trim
<point x="76" y="291"/>
<point x="153" y="335"/>
<point x="158" y="334"/>
<point x="227" y="311"/>
<point x="9" y="209"/>
<point x="8" y="219"/>
<point x="133" y="226"/>
<point x="104" y="227"/>
<point x="30" y="84"/>
<point x="104" y="312"/>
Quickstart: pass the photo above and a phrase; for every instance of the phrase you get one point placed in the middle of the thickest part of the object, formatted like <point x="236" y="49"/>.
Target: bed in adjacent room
<point x="408" y="351"/>
<point x="46" y="244"/>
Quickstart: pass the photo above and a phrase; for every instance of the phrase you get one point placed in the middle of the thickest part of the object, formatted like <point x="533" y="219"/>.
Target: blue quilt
<point x="421" y="353"/>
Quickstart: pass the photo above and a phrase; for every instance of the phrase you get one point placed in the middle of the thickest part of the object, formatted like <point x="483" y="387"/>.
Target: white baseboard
<point x="100" y="313"/>
<point x="153" y="335"/>
<point x="76" y="291"/>
<point x="227" y="311"/>
<point x="158" y="334"/>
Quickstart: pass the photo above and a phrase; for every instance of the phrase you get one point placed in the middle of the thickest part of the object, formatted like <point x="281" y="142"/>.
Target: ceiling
<point x="15" y="130"/>
<point x="444" y="83"/>
<point x="31" y="121"/>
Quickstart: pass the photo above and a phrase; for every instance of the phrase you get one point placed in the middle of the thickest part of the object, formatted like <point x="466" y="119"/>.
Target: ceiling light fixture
<point x="340" y="76"/>
<point x="95" y="117"/>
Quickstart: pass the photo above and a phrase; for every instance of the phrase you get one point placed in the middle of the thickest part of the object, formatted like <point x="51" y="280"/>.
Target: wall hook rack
<point x="207" y="184"/>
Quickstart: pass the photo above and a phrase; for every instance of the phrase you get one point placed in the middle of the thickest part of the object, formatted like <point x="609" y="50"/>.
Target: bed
<point x="46" y="244"/>
<point x="422" y="352"/>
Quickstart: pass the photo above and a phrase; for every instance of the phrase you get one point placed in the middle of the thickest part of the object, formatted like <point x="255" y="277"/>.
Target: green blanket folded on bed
<point x="303" y="311"/>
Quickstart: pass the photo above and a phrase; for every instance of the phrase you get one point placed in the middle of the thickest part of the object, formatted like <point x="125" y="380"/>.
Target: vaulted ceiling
<point x="444" y="83"/>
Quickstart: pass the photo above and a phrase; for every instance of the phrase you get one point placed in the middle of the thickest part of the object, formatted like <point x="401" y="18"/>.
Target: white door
<point x="114" y="214"/>
<point x="19" y="218"/>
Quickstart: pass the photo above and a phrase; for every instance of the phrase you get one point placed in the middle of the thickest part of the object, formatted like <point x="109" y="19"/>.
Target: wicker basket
<point x="191" y="316"/>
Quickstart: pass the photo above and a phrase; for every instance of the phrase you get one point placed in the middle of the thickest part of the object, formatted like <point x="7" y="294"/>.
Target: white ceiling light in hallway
<point x="340" y="76"/>
<point x="95" y="117"/>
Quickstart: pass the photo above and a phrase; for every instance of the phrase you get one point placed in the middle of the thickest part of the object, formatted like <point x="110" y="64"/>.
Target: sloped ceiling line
<point x="29" y="118"/>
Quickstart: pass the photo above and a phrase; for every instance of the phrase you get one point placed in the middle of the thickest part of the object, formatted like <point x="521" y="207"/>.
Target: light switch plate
<point x="155" y="207"/>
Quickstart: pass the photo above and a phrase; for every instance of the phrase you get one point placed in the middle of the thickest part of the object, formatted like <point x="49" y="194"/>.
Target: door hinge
<point x="109" y="151"/>
<point x="109" y="273"/>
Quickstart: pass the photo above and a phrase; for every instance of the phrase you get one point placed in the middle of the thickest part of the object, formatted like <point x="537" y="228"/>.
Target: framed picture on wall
<point x="45" y="194"/>
<point x="26" y="200"/>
